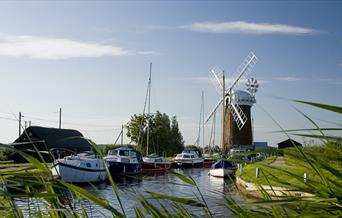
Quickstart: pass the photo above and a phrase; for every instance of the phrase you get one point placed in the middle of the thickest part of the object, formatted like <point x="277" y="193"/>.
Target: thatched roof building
<point x="45" y="139"/>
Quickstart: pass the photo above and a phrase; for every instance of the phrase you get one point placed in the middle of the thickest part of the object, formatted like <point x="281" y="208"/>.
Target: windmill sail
<point x="215" y="76"/>
<point x="238" y="115"/>
<point x="238" y="108"/>
<point x="213" y="111"/>
<point x="245" y="67"/>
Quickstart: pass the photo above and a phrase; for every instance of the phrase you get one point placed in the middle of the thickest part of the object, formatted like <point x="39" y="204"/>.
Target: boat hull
<point x="208" y="163"/>
<point x="221" y="172"/>
<point x="119" y="168"/>
<point x="189" y="164"/>
<point x="74" y="174"/>
<point x="156" y="166"/>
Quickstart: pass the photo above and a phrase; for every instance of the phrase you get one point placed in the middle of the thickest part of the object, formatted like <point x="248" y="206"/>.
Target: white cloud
<point x="57" y="48"/>
<point x="247" y="27"/>
<point x="339" y="65"/>
<point x="289" y="78"/>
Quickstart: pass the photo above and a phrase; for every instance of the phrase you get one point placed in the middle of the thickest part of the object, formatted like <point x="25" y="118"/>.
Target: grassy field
<point x="291" y="171"/>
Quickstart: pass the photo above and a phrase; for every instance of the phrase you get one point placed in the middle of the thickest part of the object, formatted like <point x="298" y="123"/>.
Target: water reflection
<point x="213" y="189"/>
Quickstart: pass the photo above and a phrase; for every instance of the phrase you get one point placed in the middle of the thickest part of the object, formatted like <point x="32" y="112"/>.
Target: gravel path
<point x="279" y="162"/>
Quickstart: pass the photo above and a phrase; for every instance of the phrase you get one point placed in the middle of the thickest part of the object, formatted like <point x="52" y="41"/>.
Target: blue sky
<point x="92" y="59"/>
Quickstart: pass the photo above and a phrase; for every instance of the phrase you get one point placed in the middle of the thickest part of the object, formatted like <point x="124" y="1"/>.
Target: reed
<point x="61" y="199"/>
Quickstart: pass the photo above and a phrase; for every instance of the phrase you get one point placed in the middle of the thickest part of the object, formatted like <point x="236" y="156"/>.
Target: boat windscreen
<point x="113" y="152"/>
<point x="124" y="153"/>
<point x="222" y="164"/>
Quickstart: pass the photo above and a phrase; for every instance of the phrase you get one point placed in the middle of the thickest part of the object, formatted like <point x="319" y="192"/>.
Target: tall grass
<point x="59" y="197"/>
<point x="62" y="199"/>
<point x="320" y="195"/>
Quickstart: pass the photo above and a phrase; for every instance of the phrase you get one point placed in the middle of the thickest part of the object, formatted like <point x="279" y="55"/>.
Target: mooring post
<point x="257" y="172"/>
<point x="306" y="177"/>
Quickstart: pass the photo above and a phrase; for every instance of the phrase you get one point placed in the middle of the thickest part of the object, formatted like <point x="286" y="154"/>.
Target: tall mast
<point x="223" y="111"/>
<point x="203" y="119"/>
<point x="214" y="135"/>
<point x="60" y="118"/>
<point x="148" y="109"/>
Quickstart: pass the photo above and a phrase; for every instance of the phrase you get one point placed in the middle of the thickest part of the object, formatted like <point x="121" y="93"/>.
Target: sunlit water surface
<point x="213" y="190"/>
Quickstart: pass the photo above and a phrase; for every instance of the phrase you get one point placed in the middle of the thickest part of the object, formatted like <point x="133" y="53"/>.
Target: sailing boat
<point x="152" y="162"/>
<point x="207" y="161"/>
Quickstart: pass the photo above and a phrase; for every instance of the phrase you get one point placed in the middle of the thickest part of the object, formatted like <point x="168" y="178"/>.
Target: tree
<point x="176" y="135"/>
<point x="164" y="136"/>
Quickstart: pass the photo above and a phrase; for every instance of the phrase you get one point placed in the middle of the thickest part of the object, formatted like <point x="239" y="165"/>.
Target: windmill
<point x="236" y="104"/>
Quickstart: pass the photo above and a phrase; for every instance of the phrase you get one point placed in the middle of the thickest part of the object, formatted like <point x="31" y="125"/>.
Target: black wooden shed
<point x="288" y="143"/>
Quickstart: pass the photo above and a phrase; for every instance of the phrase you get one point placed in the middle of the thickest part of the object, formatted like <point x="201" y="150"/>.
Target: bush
<point x="4" y="154"/>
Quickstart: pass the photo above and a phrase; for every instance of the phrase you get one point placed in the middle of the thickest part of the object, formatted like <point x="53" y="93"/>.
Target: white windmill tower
<point x="236" y="105"/>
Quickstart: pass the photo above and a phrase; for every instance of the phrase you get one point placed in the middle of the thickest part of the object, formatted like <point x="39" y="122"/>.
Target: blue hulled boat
<point x="222" y="168"/>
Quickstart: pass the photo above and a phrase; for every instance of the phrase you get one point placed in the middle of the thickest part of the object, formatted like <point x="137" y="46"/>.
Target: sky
<point x="91" y="58"/>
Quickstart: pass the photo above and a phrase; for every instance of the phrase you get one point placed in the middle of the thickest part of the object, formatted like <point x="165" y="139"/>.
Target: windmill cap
<point x="242" y="98"/>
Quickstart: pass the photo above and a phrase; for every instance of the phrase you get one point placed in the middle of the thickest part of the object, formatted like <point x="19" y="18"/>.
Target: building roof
<point x="288" y="143"/>
<point x="47" y="138"/>
<point x="241" y="97"/>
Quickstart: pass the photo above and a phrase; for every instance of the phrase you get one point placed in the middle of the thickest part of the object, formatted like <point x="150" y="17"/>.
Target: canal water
<point x="213" y="190"/>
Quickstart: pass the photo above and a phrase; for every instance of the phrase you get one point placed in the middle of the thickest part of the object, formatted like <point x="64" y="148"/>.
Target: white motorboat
<point x="190" y="157"/>
<point x="155" y="162"/>
<point x="80" y="168"/>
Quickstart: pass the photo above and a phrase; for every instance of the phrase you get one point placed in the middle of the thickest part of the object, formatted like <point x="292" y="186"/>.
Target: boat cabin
<point x="186" y="156"/>
<point x="192" y="150"/>
<point x="125" y="154"/>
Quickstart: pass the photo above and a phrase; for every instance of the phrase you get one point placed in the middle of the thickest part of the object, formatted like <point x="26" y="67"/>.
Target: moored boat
<point x="190" y="157"/>
<point x="222" y="168"/>
<point x="124" y="161"/>
<point x="207" y="163"/>
<point x="153" y="162"/>
<point x="80" y="168"/>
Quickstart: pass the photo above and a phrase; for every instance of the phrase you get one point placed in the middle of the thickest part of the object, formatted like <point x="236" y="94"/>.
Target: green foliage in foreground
<point x="325" y="186"/>
<point x="294" y="167"/>
<point x="34" y="181"/>
<point x="320" y="195"/>
<point x="4" y="154"/>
